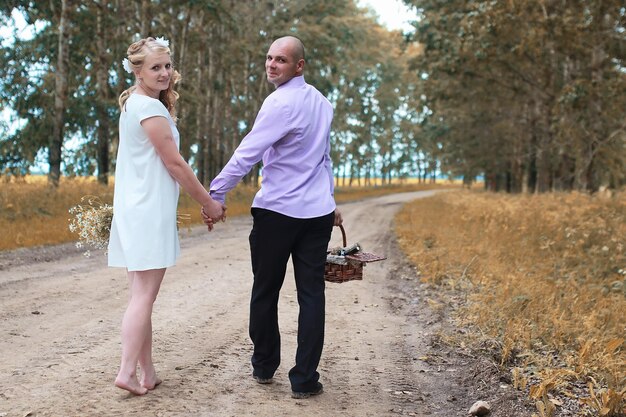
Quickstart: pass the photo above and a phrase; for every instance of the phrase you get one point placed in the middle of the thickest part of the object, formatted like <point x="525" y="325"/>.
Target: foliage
<point x="545" y="275"/>
<point x="219" y="49"/>
<point x="528" y="93"/>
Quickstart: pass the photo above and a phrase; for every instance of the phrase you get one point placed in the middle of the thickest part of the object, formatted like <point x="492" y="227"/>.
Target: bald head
<point x="294" y="44"/>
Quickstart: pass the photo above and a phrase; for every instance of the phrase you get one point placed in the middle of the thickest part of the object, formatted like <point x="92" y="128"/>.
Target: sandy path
<point x="60" y="345"/>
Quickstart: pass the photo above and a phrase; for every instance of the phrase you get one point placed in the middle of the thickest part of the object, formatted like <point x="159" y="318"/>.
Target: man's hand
<point x="338" y="218"/>
<point x="206" y="219"/>
<point x="213" y="212"/>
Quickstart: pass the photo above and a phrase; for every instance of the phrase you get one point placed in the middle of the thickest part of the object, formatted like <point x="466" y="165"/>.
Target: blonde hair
<point x="136" y="55"/>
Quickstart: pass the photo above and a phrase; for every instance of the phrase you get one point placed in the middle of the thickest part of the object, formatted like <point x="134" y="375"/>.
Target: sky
<point x="392" y="13"/>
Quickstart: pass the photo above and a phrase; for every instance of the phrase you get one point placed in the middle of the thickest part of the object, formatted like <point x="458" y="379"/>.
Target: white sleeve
<point x="151" y="108"/>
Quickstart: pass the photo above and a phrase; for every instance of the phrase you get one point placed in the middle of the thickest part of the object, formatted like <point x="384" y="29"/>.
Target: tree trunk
<point x="145" y="18"/>
<point x="102" y="96"/>
<point x="180" y="62"/>
<point x="544" y="146"/>
<point x="60" y="95"/>
<point x="200" y="117"/>
<point x="468" y="180"/>
<point x="216" y="129"/>
<point x="598" y="59"/>
<point x="208" y="110"/>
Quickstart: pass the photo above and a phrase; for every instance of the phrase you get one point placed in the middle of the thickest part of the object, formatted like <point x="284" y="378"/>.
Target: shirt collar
<point x="294" y="82"/>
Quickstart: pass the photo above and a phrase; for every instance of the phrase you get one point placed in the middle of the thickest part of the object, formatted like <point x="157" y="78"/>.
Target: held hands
<point x="213" y="212"/>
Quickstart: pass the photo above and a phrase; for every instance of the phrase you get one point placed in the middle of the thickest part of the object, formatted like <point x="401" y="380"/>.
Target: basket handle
<point x="343" y="234"/>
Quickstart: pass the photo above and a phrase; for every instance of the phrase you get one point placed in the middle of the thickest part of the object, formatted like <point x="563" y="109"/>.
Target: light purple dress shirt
<point x="291" y="134"/>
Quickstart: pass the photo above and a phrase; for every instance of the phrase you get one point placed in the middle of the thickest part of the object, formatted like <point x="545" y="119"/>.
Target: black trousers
<point x="275" y="237"/>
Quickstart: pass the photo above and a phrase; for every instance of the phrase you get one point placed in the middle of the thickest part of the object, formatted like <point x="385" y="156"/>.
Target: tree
<point x="67" y="77"/>
<point x="525" y="91"/>
<point x="60" y="93"/>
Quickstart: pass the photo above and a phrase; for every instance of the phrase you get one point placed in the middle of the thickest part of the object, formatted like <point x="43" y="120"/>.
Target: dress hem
<point x="136" y="269"/>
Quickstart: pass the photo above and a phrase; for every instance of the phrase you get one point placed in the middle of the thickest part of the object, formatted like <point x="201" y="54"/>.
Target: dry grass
<point x="346" y="194"/>
<point x="544" y="275"/>
<point x="33" y="214"/>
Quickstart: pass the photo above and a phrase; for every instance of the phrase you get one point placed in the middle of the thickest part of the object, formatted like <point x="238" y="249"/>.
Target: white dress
<point x="143" y="232"/>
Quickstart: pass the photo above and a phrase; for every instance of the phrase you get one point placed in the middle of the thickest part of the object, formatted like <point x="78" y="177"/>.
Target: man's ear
<point x="300" y="67"/>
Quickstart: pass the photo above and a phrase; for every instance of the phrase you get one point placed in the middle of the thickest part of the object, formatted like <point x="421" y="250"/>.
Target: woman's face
<point x="156" y="72"/>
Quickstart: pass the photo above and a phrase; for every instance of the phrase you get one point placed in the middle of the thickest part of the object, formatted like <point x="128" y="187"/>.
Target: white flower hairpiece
<point x="126" y="65"/>
<point x="162" y="41"/>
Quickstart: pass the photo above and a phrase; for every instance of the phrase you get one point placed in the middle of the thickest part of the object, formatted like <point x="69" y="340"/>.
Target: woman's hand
<point x="212" y="212"/>
<point x="207" y="220"/>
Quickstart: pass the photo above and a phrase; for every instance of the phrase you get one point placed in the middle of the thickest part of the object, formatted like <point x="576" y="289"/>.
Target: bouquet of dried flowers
<point x="92" y="222"/>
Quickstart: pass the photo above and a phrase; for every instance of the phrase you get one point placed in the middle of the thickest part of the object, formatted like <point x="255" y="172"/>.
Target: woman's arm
<point x="160" y="134"/>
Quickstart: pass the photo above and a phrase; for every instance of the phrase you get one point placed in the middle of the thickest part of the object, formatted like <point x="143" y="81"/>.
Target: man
<point x="293" y="213"/>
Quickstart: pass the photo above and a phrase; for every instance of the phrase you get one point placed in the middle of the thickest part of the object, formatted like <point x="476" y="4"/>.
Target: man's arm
<point x="328" y="164"/>
<point x="270" y="126"/>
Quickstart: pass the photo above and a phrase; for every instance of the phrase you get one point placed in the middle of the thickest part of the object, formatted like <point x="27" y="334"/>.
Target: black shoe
<point x="302" y="395"/>
<point x="262" y="380"/>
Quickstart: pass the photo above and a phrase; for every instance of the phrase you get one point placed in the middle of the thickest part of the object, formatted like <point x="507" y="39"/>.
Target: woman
<point x="144" y="236"/>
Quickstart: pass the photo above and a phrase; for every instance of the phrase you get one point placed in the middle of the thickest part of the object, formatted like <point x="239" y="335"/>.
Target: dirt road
<point x="60" y="316"/>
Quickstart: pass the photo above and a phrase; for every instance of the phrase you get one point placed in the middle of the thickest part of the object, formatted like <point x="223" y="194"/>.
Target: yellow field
<point x="33" y="214"/>
<point x="544" y="276"/>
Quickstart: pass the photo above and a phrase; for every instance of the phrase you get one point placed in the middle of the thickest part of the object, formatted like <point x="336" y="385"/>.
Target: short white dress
<point x="143" y="232"/>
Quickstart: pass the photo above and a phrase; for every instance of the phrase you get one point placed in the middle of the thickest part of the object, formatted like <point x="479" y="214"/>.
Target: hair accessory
<point x="162" y="41"/>
<point x="126" y="65"/>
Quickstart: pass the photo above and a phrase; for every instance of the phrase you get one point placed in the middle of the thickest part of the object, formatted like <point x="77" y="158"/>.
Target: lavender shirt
<point x="291" y="134"/>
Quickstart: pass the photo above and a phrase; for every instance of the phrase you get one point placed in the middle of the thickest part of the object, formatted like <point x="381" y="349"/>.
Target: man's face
<point x="281" y="64"/>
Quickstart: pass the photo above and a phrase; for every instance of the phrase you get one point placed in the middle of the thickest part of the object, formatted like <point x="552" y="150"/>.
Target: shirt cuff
<point x="217" y="196"/>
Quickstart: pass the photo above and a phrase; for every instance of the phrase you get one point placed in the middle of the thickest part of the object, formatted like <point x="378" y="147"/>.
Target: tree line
<point x="63" y="83"/>
<point x="527" y="95"/>
<point x="531" y="94"/>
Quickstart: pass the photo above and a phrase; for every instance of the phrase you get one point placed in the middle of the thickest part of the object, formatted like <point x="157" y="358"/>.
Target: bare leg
<point x="137" y="330"/>
<point x="149" y="378"/>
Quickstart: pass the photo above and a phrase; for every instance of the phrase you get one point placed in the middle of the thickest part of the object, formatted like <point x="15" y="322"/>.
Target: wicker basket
<point x="353" y="270"/>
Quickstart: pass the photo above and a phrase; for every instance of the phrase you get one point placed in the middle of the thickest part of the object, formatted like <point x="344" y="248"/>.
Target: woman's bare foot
<point x="149" y="378"/>
<point x="151" y="383"/>
<point x="131" y="385"/>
